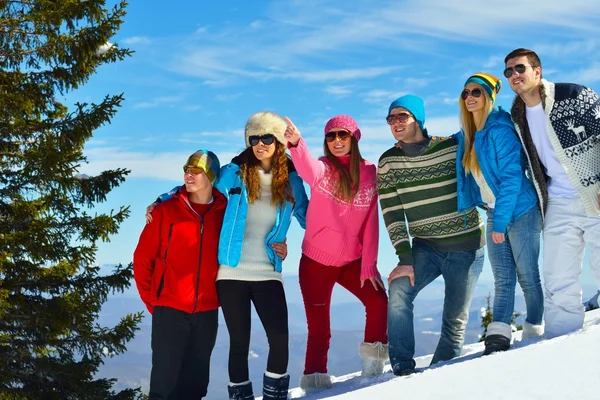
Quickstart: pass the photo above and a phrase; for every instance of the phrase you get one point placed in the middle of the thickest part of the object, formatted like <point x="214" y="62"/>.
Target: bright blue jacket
<point x="231" y="185"/>
<point x="501" y="160"/>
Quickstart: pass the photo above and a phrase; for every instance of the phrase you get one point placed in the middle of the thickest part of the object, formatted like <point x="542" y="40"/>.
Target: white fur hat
<point x="264" y="122"/>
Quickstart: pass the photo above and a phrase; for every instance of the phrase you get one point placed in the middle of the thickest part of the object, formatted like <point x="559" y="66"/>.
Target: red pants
<point x="316" y="283"/>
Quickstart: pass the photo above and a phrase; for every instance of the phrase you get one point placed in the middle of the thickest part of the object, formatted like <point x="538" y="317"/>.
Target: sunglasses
<point x="475" y="93"/>
<point x="188" y="169"/>
<point x="342" y="135"/>
<point x="267" y="139"/>
<point x="520" y="68"/>
<point x="401" y="117"/>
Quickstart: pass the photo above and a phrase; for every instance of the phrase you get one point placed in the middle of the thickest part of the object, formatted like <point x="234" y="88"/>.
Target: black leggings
<point x="269" y="301"/>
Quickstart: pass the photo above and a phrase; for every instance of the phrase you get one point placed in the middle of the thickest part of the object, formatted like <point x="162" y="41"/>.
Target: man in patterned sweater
<point x="559" y="127"/>
<point x="417" y="185"/>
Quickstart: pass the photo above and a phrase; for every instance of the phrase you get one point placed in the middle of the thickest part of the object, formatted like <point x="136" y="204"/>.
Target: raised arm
<point x="309" y="169"/>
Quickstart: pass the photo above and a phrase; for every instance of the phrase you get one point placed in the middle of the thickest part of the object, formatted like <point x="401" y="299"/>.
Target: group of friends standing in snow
<point x="220" y="238"/>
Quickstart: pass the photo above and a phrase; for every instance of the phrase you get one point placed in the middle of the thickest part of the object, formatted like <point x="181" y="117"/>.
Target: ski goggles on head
<point x="190" y="169"/>
<point x="266" y="139"/>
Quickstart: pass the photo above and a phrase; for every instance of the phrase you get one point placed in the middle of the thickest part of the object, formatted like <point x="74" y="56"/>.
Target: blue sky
<point x="200" y="69"/>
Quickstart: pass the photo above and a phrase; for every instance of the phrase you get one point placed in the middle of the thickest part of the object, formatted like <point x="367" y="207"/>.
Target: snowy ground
<point x="563" y="368"/>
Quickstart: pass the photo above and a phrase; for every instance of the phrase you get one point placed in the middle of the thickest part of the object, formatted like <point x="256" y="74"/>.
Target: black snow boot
<point x="494" y="343"/>
<point x="275" y="388"/>
<point x="241" y="392"/>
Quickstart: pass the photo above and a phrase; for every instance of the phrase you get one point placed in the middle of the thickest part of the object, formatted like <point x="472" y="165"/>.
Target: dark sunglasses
<point x="342" y="135"/>
<point x="401" y="117"/>
<point x="188" y="169"/>
<point x="475" y="93"/>
<point x="267" y="139"/>
<point x="520" y="68"/>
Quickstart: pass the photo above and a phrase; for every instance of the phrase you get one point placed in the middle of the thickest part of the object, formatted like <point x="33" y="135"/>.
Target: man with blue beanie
<point x="416" y="182"/>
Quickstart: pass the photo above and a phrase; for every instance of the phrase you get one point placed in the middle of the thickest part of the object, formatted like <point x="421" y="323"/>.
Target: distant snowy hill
<point x="563" y="368"/>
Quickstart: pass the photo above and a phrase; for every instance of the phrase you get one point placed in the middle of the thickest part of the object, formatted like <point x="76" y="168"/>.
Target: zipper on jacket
<point x="237" y="209"/>
<point x="168" y="243"/>
<point x="161" y="284"/>
<point x="199" y="263"/>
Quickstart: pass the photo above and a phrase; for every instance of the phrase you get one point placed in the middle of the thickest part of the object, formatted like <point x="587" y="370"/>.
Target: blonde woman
<point x="491" y="173"/>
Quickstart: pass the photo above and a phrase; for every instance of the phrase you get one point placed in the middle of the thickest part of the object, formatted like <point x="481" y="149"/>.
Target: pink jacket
<point x="338" y="232"/>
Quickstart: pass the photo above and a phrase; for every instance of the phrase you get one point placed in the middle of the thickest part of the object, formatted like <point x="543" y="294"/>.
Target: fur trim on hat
<point x="264" y="122"/>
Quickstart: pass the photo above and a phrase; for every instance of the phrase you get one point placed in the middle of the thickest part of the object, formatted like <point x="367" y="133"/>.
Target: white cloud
<point x="228" y="97"/>
<point x="256" y="24"/>
<point x="450" y="101"/>
<point x="165" y="165"/>
<point x="587" y="75"/>
<point x="381" y="96"/>
<point x="338" y="90"/>
<point x="298" y="39"/>
<point x="136" y="40"/>
<point x="158" y="101"/>
<point x="493" y="61"/>
<point x="416" y="82"/>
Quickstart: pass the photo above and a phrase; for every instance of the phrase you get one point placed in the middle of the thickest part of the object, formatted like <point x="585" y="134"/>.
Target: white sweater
<point x="254" y="264"/>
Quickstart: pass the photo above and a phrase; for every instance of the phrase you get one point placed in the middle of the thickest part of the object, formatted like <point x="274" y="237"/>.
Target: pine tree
<point x="51" y="291"/>
<point x="487" y="317"/>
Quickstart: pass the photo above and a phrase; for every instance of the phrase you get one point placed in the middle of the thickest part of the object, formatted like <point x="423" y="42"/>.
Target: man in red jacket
<point x="175" y="267"/>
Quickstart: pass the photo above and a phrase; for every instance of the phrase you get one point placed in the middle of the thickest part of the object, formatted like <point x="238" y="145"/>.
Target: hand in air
<point x="291" y="134"/>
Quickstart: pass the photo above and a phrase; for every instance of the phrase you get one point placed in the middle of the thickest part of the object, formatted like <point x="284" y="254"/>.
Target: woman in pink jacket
<point x="340" y="245"/>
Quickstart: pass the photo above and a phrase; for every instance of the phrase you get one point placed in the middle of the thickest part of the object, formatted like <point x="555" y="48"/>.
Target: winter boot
<point x="497" y="337"/>
<point x="531" y="331"/>
<point x="374" y="356"/>
<point x="275" y="387"/>
<point x="316" y="381"/>
<point x="592" y="303"/>
<point x="241" y="391"/>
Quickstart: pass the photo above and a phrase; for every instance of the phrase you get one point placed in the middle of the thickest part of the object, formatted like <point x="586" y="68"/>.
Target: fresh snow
<point x="562" y="368"/>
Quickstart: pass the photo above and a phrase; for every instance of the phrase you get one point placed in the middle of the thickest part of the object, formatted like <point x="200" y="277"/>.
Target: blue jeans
<point x="517" y="259"/>
<point x="460" y="270"/>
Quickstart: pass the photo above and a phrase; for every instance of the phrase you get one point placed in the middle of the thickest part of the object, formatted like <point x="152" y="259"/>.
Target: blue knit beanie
<point x="414" y="105"/>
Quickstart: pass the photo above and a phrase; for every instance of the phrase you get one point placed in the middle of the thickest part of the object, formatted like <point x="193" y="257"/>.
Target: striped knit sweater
<point x="421" y="190"/>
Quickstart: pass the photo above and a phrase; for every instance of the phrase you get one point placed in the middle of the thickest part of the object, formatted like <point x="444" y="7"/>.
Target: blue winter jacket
<point x="501" y="160"/>
<point x="231" y="185"/>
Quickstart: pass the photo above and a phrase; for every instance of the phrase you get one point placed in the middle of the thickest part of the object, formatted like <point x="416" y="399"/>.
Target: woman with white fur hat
<point x="264" y="191"/>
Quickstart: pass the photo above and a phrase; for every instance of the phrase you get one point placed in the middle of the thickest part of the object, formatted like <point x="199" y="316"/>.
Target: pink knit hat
<point x="343" y="122"/>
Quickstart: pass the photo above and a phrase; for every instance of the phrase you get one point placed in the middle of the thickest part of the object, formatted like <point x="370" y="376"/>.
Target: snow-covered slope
<point x="563" y="368"/>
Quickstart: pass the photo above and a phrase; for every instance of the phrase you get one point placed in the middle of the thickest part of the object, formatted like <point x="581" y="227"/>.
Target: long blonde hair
<point x="469" y="128"/>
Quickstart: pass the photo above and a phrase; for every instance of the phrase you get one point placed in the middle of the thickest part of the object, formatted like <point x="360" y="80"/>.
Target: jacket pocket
<point x="337" y="244"/>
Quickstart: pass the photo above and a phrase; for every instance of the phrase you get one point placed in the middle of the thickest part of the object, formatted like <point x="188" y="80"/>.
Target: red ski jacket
<point x="175" y="262"/>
